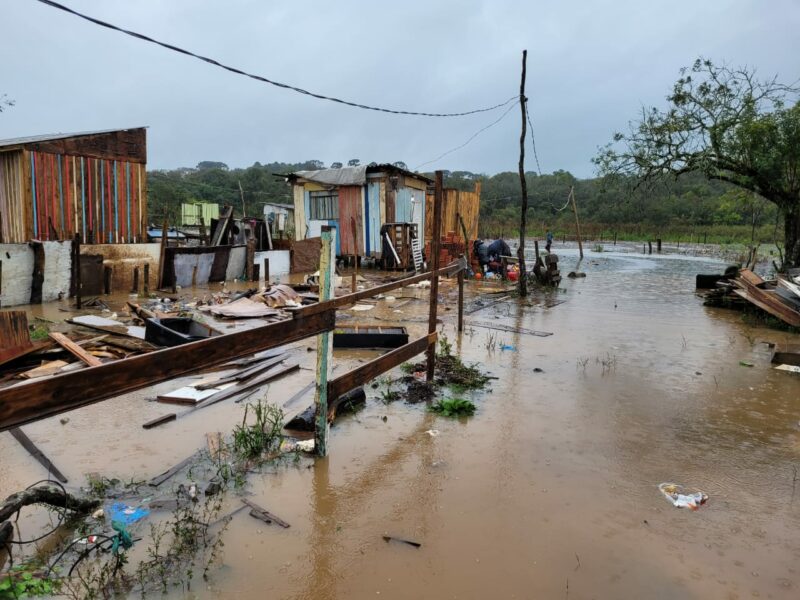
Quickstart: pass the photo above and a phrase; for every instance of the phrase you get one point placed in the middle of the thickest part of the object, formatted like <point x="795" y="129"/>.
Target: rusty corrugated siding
<point x="350" y="209"/>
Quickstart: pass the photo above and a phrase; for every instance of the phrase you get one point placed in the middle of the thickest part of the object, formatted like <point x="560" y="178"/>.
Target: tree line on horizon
<point x="604" y="203"/>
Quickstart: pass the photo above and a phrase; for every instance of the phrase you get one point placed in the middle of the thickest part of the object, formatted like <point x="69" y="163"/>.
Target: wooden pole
<point x="461" y="300"/>
<point x="438" y="200"/>
<point x="162" y="257"/>
<point x="577" y="221"/>
<point x="251" y="258"/>
<point x="327" y="265"/>
<point x="135" y="285"/>
<point x="78" y="283"/>
<point x="241" y="194"/>
<point x="107" y="272"/>
<point x="266" y="272"/>
<point x="146" y="278"/>
<point x="523" y="221"/>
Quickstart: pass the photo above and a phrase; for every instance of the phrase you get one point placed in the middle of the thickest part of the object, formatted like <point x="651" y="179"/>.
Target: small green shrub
<point x="453" y="407"/>
<point x="251" y="440"/>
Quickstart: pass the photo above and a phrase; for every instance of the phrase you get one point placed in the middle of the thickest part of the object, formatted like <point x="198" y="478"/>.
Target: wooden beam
<point x="339" y="301"/>
<point x="73" y="348"/>
<point x="26" y="403"/>
<point x="34" y="451"/>
<point x="369" y="371"/>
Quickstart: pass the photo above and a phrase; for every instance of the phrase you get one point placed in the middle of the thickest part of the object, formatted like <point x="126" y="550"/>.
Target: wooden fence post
<point x="78" y="283"/>
<point x="146" y="278"/>
<point x="251" y="258"/>
<point x="435" y="239"/>
<point x="266" y="272"/>
<point x="162" y="256"/>
<point x="327" y="265"/>
<point x="461" y="300"/>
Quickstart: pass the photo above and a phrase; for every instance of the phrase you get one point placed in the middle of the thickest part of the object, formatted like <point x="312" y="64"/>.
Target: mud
<point x="549" y="491"/>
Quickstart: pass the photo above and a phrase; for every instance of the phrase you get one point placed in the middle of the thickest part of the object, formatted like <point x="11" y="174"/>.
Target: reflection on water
<point x="550" y="490"/>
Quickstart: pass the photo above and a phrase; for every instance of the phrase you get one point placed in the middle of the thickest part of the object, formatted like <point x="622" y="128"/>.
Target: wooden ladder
<point x="416" y="250"/>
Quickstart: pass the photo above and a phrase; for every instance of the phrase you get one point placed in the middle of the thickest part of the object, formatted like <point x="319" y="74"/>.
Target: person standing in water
<point x="549" y="238"/>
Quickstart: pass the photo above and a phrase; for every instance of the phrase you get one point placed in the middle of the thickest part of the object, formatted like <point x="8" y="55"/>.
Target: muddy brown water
<point x="549" y="491"/>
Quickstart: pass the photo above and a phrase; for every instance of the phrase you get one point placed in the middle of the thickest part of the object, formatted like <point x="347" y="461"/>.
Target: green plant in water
<point x="24" y="581"/>
<point x="389" y="394"/>
<point x="39" y="331"/>
<point x="453" y="407"/>
<point x="445" y="347"/>
<point x="250" y="440"/>
<point x="408" y="368"/>
<point x="598" y="248"/>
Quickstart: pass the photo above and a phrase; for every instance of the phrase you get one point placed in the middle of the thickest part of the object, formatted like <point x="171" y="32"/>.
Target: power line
<point x="264" y="79"/>
<point x="533" y="139"/>
<point x="474" y="135"/>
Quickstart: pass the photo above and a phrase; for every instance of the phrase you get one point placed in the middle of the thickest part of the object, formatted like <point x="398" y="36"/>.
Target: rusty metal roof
<point x="48" y="137"/>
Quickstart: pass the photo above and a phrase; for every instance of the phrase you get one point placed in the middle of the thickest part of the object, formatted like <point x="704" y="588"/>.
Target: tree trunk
<point x="791" y="237"/>
<point x="45" y="494"/>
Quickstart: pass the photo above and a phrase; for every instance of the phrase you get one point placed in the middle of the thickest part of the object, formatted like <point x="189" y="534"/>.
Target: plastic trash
<point x="127" y="514"/>
<point x="433" y="432"/>
<point x="681" y="498"/>
<point x="508" y="347"/>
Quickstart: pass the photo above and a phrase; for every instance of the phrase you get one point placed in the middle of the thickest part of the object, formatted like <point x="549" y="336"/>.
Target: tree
<point x="336" y="165"/>
<point x="400" y="165"/>
<point x="210" y="164"/>
<point x="353" y="162"/>
<point x="728" y="125"/>
<point x="5" y="102"/>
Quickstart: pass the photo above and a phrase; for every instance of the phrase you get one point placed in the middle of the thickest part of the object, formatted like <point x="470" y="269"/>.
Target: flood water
<point x="549" y="491"/>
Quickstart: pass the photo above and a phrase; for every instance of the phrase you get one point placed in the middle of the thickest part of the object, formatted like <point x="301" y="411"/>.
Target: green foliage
<point x="726" y="125"/>
<point x="408" y="368"/>
<point x="26" y="581"/>
<point x="453" y="407"/>
<point x="445" y="347"/>
<point x="389" y="393"/>
<point x="39" y="331"/>
<point x="250" y="440"/>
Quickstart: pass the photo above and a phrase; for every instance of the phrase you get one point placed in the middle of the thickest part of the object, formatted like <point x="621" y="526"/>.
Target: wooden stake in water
<point x="327" y="264"/>
<point x="577" y="221"/>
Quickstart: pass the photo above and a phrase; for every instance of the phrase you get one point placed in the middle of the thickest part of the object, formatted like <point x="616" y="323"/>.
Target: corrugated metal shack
<point x="93" y="183"/>
<point x="369" y="196"/>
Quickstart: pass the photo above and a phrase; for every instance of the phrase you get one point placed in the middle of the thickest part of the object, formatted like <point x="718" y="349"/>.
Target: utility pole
<point x="577" y="221"/>
<point x="241" y="193"/>
<point x="523" y="221"/>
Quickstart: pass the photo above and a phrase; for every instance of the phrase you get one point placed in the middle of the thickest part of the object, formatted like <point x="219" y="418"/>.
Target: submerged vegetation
<point x="453" y="407"/>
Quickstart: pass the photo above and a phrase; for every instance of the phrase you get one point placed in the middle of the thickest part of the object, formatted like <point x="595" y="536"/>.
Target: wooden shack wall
<point x="103" y="200"/>
<point x="456" y="202"/>
<point x="13" y="222"/>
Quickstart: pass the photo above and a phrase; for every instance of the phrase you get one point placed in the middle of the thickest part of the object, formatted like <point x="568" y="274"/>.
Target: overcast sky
<point x="591" y="65"/>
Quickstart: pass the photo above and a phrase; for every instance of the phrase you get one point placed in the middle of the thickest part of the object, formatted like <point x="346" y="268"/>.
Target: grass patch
<point x="250" y="440"/>
<point x="408" y="368"/>
<point x="453" y="407"/>
<point x="39" y="331"/>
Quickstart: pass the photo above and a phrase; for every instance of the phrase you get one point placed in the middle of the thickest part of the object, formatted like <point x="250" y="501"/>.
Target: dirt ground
<point x="549" y="491"/>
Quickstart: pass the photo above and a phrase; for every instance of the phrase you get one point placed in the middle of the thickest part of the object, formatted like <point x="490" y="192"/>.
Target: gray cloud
<point x="591" y="65"/>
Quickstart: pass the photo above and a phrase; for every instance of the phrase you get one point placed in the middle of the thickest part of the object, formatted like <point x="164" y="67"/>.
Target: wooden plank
<point x="339" y="301"/>
<point x="369" y="371"/>
<point x="159" y="479"/>
<point x="770" y="304"/>
<point x="263" y="514"/>
<point x="225" y="394"/>
<point x="28" y="444"/>
<point x="73" y="348"/>
<point x="37" y="400"/>
<point x="15" y="340"/>
<point x="244" y="374"/>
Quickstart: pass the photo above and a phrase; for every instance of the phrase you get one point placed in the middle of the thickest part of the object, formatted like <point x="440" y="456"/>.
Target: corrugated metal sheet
<point x="350" y="214"/>
<point x="372" y="218"/>
<point x="47" y="137"/>
<point x="410" y="207"/>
